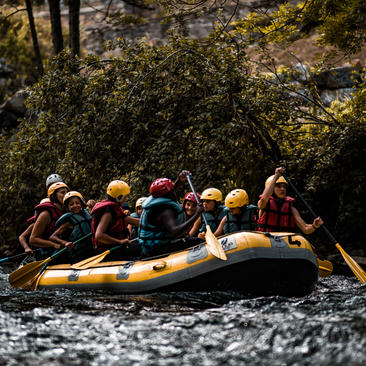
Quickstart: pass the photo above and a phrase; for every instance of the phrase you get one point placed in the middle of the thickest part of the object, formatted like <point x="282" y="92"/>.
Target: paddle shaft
<point x="54" y="255"/>
<point x="331" y="237"/>
<point x="85" y="263"/>
<point x="195" y="195"/>
<point x="120" y="245"/>
<point x="15" y="256"/>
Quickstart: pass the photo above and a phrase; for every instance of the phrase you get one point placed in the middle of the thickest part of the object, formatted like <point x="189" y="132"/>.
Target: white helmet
<point x="53" y="178"/>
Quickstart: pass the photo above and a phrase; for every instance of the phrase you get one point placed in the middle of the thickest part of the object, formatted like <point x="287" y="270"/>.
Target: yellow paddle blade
<point x="214" y="245"/>
<point x="356" y="268"/>
<point x="325" y="268"/>
<point x="24" y="274"/>
<point x="90" y="262"/>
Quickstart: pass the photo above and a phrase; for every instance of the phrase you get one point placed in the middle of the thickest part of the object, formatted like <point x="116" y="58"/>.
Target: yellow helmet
<point x="281" y="179"/>
<point x="237" y="198"/>
<point x="139" y="201"/>
<point x="44" y="200"/>
<point x="54" y="187"/>
<point x="70" y="194"/>
<point x="118" y="188"/>
<point x="211" y="194"/>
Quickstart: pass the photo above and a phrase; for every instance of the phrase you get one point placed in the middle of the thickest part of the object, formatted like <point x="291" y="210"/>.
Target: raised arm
<point x="268" y="190"/>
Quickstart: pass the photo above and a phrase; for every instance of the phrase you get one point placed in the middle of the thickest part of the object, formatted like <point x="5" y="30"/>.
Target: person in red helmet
<point x="190" y="204"/>
<point x="163" y="225"/>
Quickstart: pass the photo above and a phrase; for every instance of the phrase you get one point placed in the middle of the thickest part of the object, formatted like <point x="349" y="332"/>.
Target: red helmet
<point x="190" y="197"/>
<point x="160" y="187"/>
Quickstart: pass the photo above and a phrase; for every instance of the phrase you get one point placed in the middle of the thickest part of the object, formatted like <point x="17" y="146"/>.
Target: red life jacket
<point x="55" y="214"/>
<point x="277" y="215"/>
<point x="118" y="227"/>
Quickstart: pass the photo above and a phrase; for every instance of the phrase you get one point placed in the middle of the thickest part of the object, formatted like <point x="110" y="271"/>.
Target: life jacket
<point x="55" y="214"/>
<point x="277" y="215"/>
<point x="150" y="235"/>
<point x="212" y="220"/>
<point x="81" y="223"/>
<point x="135" y="229"/>
<point x="117" y="229"/>
<point x="246" y="220"/>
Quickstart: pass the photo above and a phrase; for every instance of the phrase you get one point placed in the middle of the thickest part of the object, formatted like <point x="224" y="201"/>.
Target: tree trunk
<point x="34" y="36"/>
<point x="74" y="26"/>
<point x="55" y="14"/>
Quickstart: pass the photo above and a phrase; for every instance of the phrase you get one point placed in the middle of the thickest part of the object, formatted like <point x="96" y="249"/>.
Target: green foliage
<point x="338" y="23"/>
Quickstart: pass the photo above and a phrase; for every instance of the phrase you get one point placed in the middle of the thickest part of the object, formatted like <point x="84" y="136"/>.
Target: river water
<point x="65" y="327"/>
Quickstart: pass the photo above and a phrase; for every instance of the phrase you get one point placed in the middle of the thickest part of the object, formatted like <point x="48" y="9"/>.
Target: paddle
<point x="92" y="261"/>
<point x="356" y="268"/>
<point x="325" y="267"/>
<point x="213" y="244"/>
<point x="15" y="256"/>
<point x="23" y="275"/>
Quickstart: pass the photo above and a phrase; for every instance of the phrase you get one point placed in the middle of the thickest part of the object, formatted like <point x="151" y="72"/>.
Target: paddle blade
<point x="21" y="276"/>
<point x="325" y="268"/>
<point x="214" y="245"/>
<point x="90" y="262"/>
<point x="356" y="268"/>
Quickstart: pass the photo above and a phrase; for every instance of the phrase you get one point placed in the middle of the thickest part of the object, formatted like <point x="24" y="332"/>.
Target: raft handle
<point x="159" y="266"/>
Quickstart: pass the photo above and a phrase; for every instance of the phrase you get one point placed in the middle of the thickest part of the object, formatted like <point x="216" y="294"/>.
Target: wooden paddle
<point x="92" y="261"/>
<point x="325" y="267"/>
<point x="356" y="268"/>
<point x="24" y="274"/>
<point x="213" y="244"/>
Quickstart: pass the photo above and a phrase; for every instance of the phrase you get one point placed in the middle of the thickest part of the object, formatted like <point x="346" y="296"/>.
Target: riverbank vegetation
<point x="199" y="104"/>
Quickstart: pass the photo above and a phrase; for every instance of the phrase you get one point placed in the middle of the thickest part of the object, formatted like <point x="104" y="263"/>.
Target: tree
<point x="74" y="26"/>
<point x="32" y="27"/>
<point x="56" y="27"/>
<point x="34" y="36"/>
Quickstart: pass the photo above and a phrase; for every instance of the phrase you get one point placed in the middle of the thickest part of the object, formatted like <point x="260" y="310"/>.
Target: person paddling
<point x="240" y="215"/>
<point x="47" y="213"/>
<point x="109" y="223"/>
<point x="163" y="227"/>
<point x="73" y="225"/>
<point x="277" y="211"/>
<point x="25" y="235"/>
<point x="213" y="211"/>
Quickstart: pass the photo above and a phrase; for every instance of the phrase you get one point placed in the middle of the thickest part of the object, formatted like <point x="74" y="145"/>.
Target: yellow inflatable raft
<point x="258" y="263"/>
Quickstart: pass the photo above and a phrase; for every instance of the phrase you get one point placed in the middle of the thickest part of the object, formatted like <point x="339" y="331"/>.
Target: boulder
<point x="328" y="96"/>
<point x="15" y="104"/>
<point x="6" y="71"/>
<point x="337" y="78"/>
<point x="12" y="110"/>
